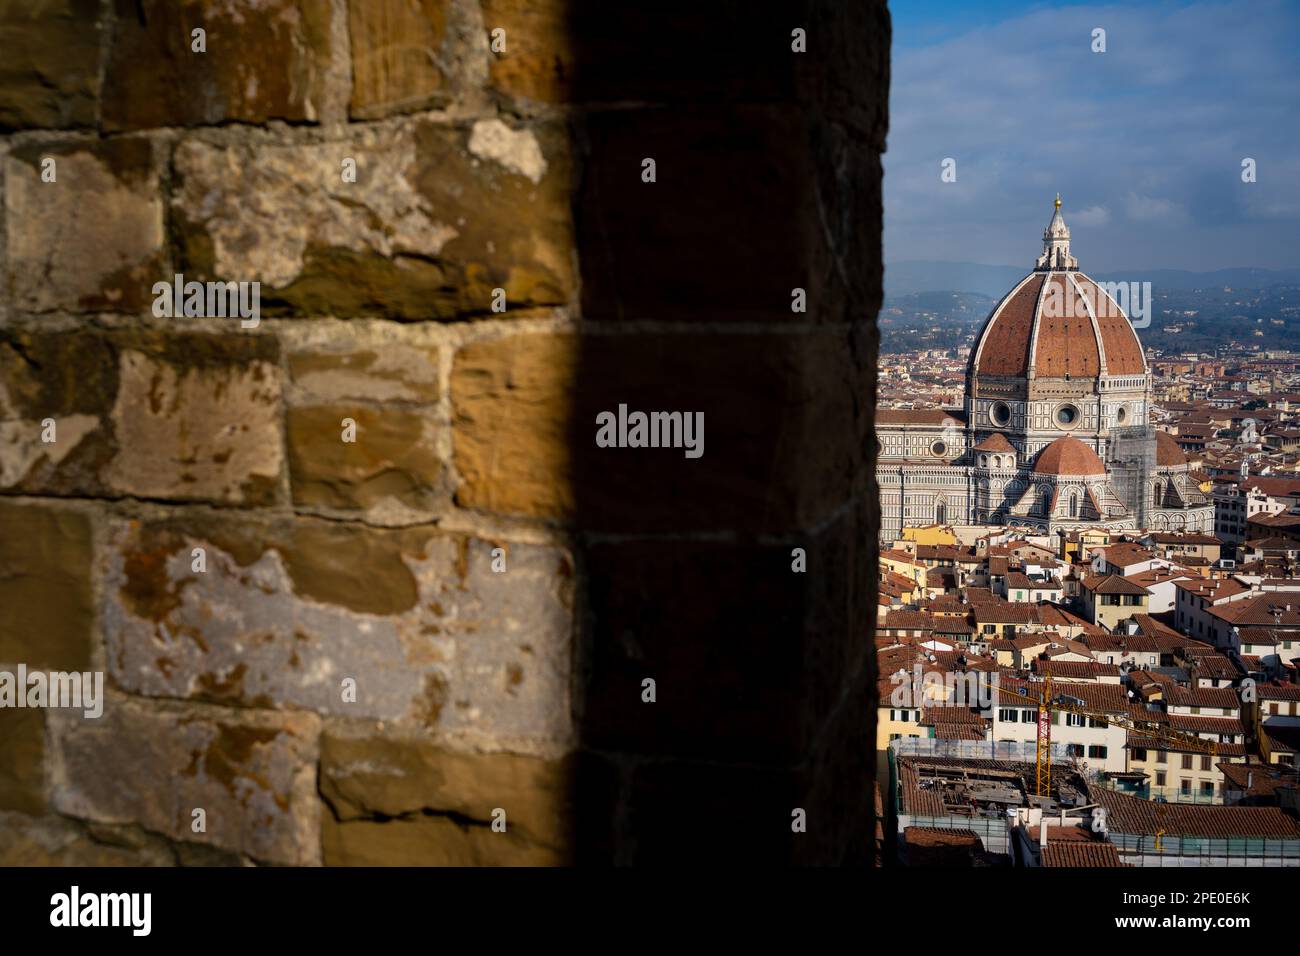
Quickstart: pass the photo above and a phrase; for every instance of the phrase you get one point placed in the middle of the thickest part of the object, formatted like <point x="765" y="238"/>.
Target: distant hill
<point x="916" y="275"/>
<point x="1199" y="317"/>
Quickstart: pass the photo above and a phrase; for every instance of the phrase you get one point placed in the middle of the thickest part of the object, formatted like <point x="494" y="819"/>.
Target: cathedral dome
<point x="1068" y="457"/>
<point x="1057" y="323"/>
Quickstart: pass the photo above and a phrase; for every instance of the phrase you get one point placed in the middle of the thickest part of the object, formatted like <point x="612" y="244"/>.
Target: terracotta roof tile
<point x="1123" y="350"/>
<point x="1077" y="854"/>
<point x="1003" y="344"/>
<point x="1129" y="814"/>
<point x="1068" y="456"/>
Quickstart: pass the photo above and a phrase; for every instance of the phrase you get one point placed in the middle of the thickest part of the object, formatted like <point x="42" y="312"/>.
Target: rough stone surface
<point x="511" y="402"/>
<point x="265" y="59"/>
<point x="253" y="774"/>
<point x="381" y="372"/>
<point x="22" y="753"/>
<point x="525" y="406"/>
<point x="71" y="378"/>
<point x="58" y="841"/>
<point x="476" y="171"/>
<point x="393" y="459"/>
<point x="428" y="841"/>
<point x="400" y="55"/>
<point x="431" y="635"/>
<point x="210" y="433"/>
<point x="55" y="841"/>
<point x="183" y="416"/>
<point x="49" y="74"/>
<point x="428" y="230"/>
<point x="90" y="240"/>
<point x="384" y="793"/>
<point x="46" y="603"/>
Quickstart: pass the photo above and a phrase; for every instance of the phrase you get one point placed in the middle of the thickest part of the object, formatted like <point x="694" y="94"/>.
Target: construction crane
<point x="1047" y="704"/>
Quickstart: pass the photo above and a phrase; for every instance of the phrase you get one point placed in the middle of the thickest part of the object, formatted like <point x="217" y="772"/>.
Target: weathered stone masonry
<point x="322" y="560"/>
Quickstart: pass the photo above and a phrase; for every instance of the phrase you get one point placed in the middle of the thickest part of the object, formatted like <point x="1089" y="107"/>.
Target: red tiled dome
<point x="1068" y="456"/>
<point x="995" y="442"/>
<point x="1035" y="328"/>
<point x="1057" y="322"/>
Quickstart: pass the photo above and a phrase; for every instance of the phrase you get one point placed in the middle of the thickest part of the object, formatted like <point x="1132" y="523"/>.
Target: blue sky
<point x="1144" y="142"/>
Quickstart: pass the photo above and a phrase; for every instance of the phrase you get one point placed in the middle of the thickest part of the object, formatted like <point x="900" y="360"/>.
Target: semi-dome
<point x="1057" y="323"/>
<point x="1069" y="457"/>
<point x="1168" y="452"/>
<point x="995" y="442"/>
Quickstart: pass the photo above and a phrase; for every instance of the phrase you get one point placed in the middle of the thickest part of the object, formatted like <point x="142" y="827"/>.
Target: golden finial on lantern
<point x="1058" y="200"/>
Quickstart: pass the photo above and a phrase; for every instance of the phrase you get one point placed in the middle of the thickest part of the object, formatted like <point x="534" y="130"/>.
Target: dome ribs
<point x="1123" y="350"/>
<point x="1006" y="340"/>
<point x="1066" y="343"/>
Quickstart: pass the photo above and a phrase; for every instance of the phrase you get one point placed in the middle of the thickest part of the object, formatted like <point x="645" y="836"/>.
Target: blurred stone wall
<point x="362" y="652"/>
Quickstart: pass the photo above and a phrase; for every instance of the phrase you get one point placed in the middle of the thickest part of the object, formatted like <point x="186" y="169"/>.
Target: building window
<point x="1007" y="716"/>
<point x="1000" y="413"/>
<point x="1160" y="778"/>
<point x="1097" y="751"/>
<point x="1205" y="763"/>
<point x="1187" y="761"/>
<point x="1185" y="787"/>
<point x="1161" y="757"/>
<point x="1074" y="506"/>
<point x="1207" y="787"/>
<point x="1139" y="753"/>
<point x="1067" y="416"/>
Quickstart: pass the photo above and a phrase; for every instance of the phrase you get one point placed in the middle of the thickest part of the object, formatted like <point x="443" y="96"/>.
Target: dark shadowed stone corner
<point x="49" y="73"/>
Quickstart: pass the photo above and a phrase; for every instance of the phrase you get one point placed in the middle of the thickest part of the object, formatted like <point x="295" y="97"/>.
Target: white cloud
<point x="1152" y="209"/>
<point x="1148" y="134"/>
<point x="1092" y="216"/>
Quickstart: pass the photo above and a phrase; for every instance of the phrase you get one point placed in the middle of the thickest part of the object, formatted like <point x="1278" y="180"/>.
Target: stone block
<point x="47" y="614"/>
<point x="92" y="239"/>
<point x="286" y="611"/>
<point x="49" y="75"/>
<point x="253" y="774"/>
<point x="439" y="217"/>
<point x="264" y="60"/>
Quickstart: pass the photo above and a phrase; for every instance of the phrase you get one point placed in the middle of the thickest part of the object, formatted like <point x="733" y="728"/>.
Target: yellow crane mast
<point x="1047" y="703"/>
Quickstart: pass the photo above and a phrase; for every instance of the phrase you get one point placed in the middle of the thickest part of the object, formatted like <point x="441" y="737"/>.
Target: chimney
<point x="1042" y="831"/>
<point x="1250" y="779"/>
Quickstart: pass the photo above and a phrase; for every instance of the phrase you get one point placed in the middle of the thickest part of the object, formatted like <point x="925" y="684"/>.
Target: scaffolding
<point x="1180" y="851"/>
<point x="1131" y="461"/>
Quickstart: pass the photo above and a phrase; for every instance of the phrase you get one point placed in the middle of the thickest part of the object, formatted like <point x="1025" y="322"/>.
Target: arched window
<point x="940" y="512"/>
<point x="1074" y="505"/>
